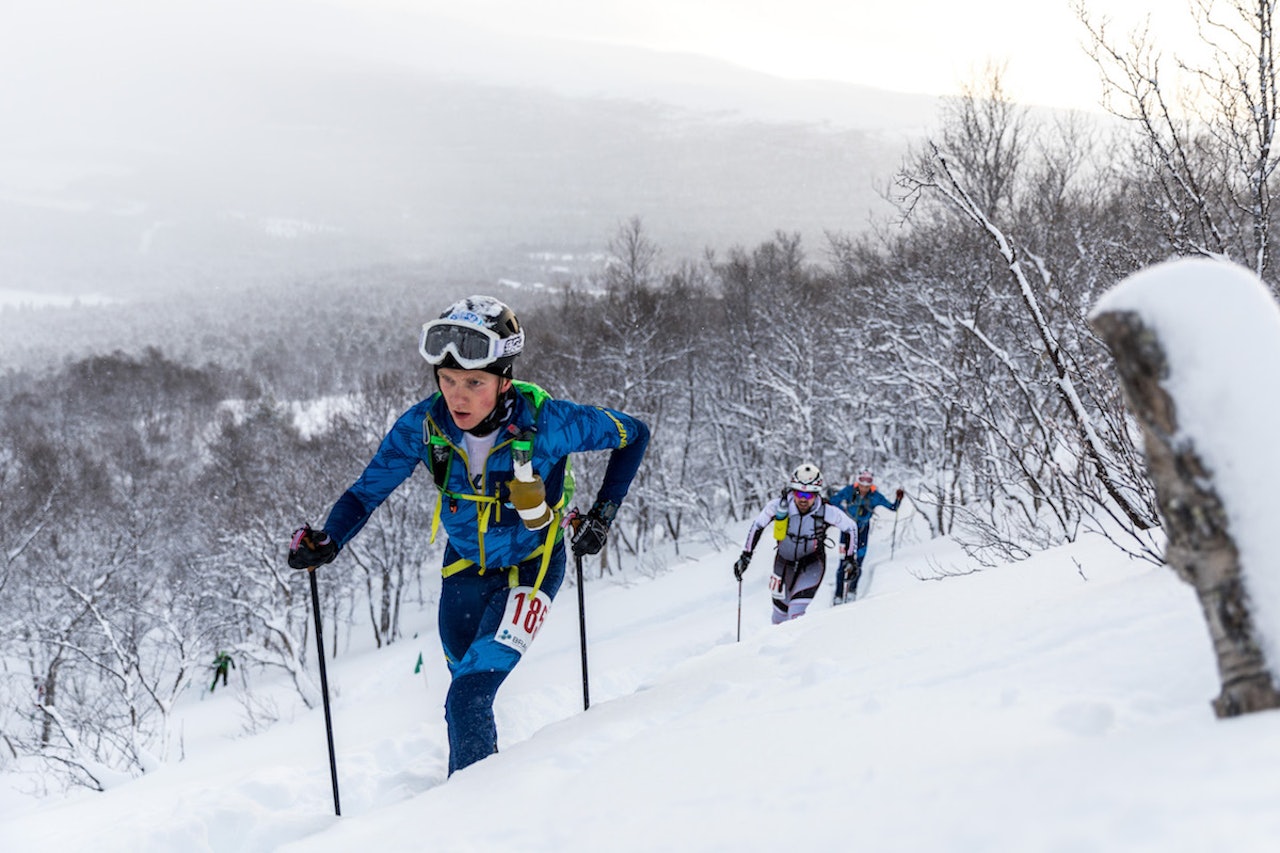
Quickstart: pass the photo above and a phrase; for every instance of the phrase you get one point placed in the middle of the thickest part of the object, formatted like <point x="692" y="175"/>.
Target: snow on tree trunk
<point x="1196" y="345"/>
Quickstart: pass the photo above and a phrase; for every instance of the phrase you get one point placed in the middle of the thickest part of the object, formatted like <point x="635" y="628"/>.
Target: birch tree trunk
<point x="1201" y="548"/>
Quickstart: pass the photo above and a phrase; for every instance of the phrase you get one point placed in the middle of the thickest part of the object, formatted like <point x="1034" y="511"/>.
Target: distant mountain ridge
<point x="170" y="148"/>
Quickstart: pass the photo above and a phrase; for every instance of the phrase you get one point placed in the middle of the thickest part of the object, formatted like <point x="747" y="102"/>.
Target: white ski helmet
<point x="477" y="333"/>
<point x="806" y="478"/>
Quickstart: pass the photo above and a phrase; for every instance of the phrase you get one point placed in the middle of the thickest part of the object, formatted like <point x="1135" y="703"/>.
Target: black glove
<point x="590" y="530"/>
<point x="849" y="567"/>
<point x="740" y="567"/>
<point x="897" y="496"/>
<point x="852" y="571"/>
<point x="310" y="548"/>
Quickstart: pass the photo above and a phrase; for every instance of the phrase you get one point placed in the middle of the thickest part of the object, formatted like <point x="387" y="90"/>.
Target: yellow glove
<point x="529" y="497"/>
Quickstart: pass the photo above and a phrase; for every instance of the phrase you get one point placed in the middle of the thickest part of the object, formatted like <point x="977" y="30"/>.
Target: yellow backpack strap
<point x="548" y="545"/>
<point x="435" y="517"/>
<point x="483" y="513"/>
<point x="544" y="551"/>
<point x="440" y="455"/>
<point x="456" y="566"/>
<point x="513" y="572"/>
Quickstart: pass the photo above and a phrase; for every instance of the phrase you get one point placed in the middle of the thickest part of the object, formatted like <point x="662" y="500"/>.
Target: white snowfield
<point x="1058" y="704"/>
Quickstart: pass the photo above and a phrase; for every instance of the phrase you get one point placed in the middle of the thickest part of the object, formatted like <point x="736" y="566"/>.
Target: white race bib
<point x="524" y="615"/>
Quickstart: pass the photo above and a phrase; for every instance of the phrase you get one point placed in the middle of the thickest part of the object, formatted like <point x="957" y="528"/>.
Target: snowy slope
<point x="1057" y="704"/>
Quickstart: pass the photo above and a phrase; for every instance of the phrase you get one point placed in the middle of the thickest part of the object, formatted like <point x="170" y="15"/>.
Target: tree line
<point x="146" y="497"/>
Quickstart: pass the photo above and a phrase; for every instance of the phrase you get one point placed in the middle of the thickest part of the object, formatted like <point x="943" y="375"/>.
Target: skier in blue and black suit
<point x="498" y="450"/>
<point x="859" y="501"/>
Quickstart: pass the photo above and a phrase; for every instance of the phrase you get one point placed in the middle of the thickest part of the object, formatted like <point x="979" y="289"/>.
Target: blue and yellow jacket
<point x="484" y="529"/>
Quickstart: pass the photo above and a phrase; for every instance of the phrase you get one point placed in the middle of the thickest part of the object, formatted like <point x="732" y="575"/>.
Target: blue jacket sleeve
<point x="761" y="521"/>
<point x="842" y="498"/>
<point x="397" y="456"/>
<point x="568" y="427"/>
<point x="624" y="463"/>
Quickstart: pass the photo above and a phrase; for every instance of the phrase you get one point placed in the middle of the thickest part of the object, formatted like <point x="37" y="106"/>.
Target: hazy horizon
<point x="178" y="145"/>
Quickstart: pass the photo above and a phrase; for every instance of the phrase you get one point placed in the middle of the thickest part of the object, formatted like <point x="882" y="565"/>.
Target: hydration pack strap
<point x="544" y="551"/>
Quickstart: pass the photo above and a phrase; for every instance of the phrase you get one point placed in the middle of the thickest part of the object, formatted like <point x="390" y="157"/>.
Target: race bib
<point x="524" y="615"/>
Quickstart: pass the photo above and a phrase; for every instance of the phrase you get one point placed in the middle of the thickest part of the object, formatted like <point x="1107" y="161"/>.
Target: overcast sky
<point x="927" y="46"/>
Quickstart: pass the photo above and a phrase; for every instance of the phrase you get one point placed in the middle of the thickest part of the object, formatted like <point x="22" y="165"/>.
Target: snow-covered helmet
<point x="476" y="333"/>
<point x="806" y="478"/>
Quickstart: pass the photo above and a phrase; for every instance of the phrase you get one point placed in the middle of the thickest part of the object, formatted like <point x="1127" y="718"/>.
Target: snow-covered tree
<point x="1053" y="456"/>
<point x="1206" y="131"/>
<point x="1200" y="379"/>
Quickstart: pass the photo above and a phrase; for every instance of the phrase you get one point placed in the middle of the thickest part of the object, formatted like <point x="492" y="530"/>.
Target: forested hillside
<point x="147" y="490"/>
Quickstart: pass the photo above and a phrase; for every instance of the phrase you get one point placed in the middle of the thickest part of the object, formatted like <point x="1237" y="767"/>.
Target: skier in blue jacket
<point x="859" y="500"/>
<point x="498" y="451"/>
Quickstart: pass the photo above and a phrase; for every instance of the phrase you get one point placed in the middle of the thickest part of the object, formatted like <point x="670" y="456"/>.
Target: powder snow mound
<point x="1060" y="701"/>
<point x="1219" y="326"/>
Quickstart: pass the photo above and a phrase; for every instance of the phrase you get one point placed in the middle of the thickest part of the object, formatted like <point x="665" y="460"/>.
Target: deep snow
<point x="1058" y="704"/>
<point x="1061" y="704"/>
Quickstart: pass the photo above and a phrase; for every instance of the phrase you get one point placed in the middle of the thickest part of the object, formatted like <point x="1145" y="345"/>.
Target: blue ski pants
<point x="864" y="530"/>
<point x="470" y="616"/>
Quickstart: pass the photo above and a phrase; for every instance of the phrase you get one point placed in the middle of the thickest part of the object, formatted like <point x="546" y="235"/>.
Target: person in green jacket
<point x="222" y="664"/>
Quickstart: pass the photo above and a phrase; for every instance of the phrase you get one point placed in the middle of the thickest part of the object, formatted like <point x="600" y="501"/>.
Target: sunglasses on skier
<point x="805" y="496"/>
<point x="471" y="346"/>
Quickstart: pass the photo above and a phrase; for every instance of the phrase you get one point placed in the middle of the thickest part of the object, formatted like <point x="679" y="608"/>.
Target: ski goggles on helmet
<point x="472" y="347"/>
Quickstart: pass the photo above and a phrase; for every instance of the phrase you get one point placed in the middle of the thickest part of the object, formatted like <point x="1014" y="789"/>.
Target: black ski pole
<point x="324" y="689"/>
<point x="582" y="632"/>
<point x="894" y="547"/>
<point x="739" y="610"/>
